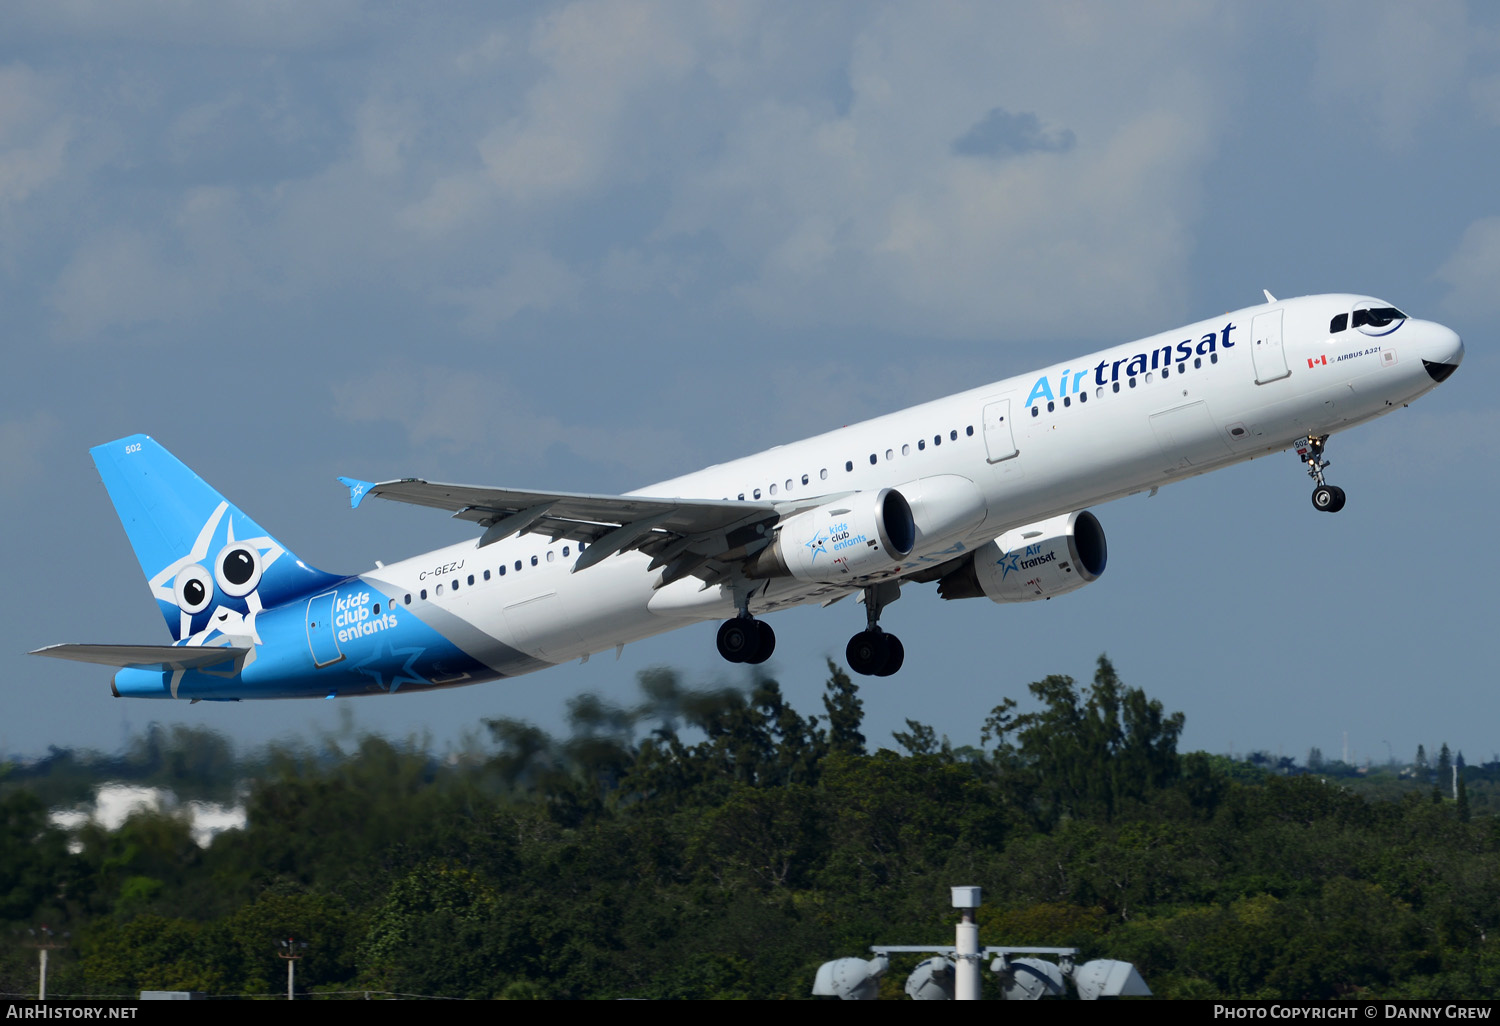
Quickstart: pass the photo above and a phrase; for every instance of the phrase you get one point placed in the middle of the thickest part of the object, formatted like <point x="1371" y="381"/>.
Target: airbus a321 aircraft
<point x="982" y="493"/>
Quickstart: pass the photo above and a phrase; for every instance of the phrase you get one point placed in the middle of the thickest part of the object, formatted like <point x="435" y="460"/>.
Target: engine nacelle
<point x="945" y="507"/>
<point x="853" y="536"/>
<point x="1034" y="562"/>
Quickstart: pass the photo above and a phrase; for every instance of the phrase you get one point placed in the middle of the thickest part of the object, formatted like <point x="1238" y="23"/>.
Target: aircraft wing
<point x="148" y="657"/>
<point x="687" y="536"/>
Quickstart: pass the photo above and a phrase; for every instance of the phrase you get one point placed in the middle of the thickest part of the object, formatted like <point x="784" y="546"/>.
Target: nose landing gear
<point x="1326" y="497"/>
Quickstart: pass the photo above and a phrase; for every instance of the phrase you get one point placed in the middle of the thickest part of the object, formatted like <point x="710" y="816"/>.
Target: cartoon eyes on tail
<point x="193" y="589"/>
<point x="237" y="571"/>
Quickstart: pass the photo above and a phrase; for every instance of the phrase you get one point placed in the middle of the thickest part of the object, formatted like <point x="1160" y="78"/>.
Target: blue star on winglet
<point x="357" y="489"/>
<point x="1007" y="563"/>
<point x="384" y="655"/>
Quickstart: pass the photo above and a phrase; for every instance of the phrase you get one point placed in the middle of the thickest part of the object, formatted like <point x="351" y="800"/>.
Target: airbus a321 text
<point x="982" y="493"/>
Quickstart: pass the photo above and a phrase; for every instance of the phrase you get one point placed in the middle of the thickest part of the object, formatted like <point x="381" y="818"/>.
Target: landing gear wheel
<point x="864" y="652"/>
<point x="875" y="653"/>
<point x="895" y="655"/>
<point x="766" y="642"/>
<point x="740" y="640"/>
<point x="1328" y="498"/>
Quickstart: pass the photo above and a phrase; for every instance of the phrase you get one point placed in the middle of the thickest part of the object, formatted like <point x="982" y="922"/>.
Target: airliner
<point x="983" y="494"/>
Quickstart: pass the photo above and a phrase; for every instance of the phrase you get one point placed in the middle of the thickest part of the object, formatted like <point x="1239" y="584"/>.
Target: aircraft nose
<point x="1445" y="351"/>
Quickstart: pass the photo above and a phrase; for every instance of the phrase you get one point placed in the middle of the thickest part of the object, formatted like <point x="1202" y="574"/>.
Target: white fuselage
<point x="1072" y="435"/>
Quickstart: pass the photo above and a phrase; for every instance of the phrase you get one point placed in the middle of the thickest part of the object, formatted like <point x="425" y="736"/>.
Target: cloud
<point x="25" y="445"/>
<point x="34" y="136"/>
<point x="1473" y="270"/>
<point x="534" y="281"/>
<point x="1003" y="134"/>
<point x="120" y="279"/>
<point x="457" y="408"/>
<point x="1392" y="62"/>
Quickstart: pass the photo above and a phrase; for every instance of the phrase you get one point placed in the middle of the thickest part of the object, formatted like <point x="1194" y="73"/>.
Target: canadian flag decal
<point x="1313" y="362"/>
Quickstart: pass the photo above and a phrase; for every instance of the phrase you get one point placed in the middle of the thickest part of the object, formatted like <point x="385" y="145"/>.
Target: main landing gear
<point x="1326" y="497"/>
<point x="746" y="640"/>
<point x="872" y="652"/>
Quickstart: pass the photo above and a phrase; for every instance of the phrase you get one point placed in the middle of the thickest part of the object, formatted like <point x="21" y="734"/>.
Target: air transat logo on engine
<point x="1018" y="561"/>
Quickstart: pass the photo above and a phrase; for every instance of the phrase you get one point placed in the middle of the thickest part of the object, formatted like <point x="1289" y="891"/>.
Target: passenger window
<point x="1116" y="386"/>
<point x="905" y="449"/>
<point x="551" y="555"/>
<point x="1051" y="406"/>
<point x="1197" y="363"/>
<point x="969" y="430"/>
<point x="890" y="454"/>
<point x="1166" y="373"/>
<point x="534" y="561"/>
<point x="471" y="579"/>
<point x="565" y="552"/>
<point x="502" y="570"/>
<point x="1099" y="392"/>
<point x="953" y="436"/>
<point x="773" y="489"/>
<point x="1148" y="377"/>
<point x="377" y="609"/>
<point x="742" y="496"/>
<point x="518" y="564"/>
<point x="1067" y="401"/>
<point x="874" y="459"/>
<point x="1083" y="397"/>
<point x="439" y="589"/>
<point x="804" y="479"/>
<point x="1132" y="382"/>
<point x="849" y="465"/>
<point x="823" y="474"/>
<point x="757" y="493"/>
<point x="937" y="439"/>
<point x="407" y="600"/>
<point x="424" y="594"/>
<point x="921" y="443"/>
<point x="455" y="586"/>
<point x="486" y="575"/>
<point x="1213" y="357"/>
<point x="1035" y="412"/>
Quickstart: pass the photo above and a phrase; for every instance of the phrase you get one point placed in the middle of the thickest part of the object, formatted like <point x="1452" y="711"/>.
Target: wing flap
<point x="164" y="657"/>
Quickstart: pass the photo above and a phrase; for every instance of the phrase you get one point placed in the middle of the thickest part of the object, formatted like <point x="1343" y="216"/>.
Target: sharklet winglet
<point x="357" y="490"/>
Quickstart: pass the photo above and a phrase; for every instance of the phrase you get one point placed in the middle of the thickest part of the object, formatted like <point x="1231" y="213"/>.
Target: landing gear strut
<point x="1326" y="497"/>
<point x="872" y="652"/>
<point x="746" y="640"/>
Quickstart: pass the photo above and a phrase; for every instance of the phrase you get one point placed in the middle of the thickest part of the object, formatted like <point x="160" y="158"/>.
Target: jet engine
<point x="1034" y="562"/>
<point x="849" y="537"/>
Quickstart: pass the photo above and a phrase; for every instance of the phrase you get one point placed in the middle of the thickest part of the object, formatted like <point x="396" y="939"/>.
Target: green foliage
<point x="717" y="843"/>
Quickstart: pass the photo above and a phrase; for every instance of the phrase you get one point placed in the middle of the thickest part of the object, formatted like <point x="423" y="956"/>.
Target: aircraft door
<point x="320" y="637"/>
<point x="1265" y="349"/>
<point x="999" y="438"/>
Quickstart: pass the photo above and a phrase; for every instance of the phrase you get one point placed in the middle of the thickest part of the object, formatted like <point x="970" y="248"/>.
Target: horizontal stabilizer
<point x="164" y="657"/>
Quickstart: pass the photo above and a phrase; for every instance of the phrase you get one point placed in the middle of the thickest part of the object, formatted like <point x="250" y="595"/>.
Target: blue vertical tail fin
<point x="209" y="565"/>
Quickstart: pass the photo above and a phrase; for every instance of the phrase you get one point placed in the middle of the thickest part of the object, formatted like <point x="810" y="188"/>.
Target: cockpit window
<point x="1377" y="320"/>
<point x="1338" y="324"/>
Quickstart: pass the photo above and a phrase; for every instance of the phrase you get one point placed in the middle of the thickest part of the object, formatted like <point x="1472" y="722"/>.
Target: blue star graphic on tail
<point x="382" y="669"/>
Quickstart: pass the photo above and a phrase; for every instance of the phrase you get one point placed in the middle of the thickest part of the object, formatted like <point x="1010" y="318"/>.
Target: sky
<point x="586" y="246"/>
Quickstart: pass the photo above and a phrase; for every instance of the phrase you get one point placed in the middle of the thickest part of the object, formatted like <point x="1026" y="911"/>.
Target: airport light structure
<point x="954" y="971"/>
<point x="291" y="950"/>
<point x="44" y="940"/>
